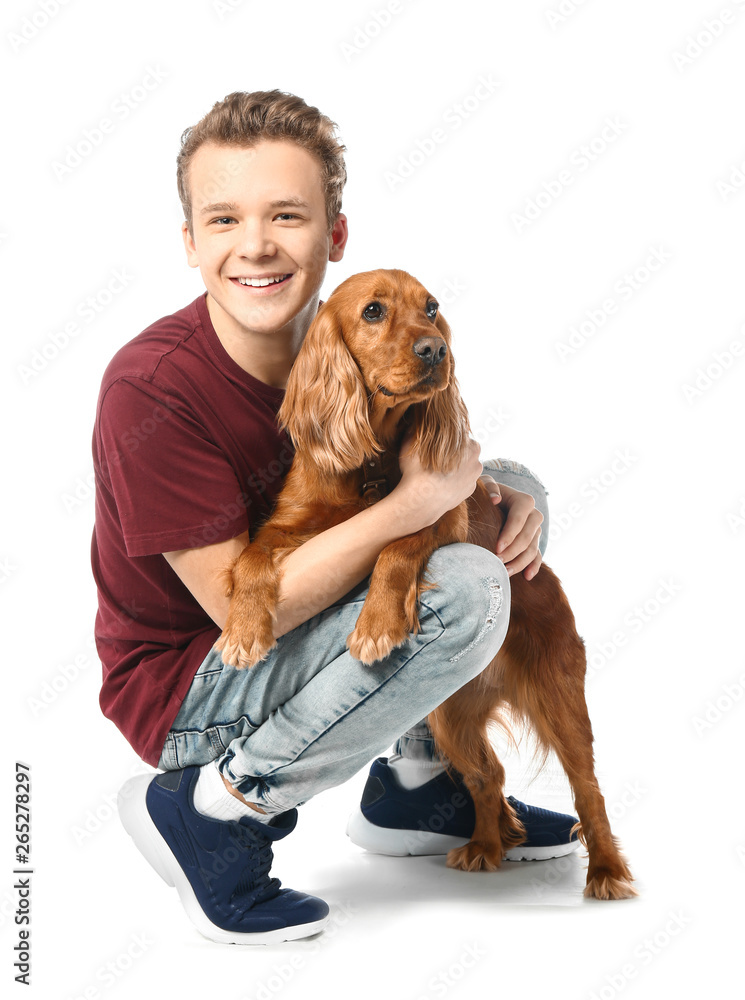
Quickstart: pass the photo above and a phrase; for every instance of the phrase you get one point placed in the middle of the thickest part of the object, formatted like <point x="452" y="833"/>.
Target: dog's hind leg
<point x="543" y="666"/>
<point x="459" y="727"/>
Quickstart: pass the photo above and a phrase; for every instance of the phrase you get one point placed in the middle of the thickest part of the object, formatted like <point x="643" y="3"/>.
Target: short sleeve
<point x="172" y="485"/>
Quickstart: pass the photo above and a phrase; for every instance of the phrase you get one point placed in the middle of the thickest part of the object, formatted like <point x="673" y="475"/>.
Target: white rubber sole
<point x="417" y="843"/>
<point x="138" y="824"/>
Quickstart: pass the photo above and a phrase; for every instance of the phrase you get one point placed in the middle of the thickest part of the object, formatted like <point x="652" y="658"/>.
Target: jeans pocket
<point x="199" y="746"/>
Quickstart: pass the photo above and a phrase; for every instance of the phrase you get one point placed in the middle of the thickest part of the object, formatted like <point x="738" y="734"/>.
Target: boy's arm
<point x="313" y="576"/>
<point x="325" y="568"/>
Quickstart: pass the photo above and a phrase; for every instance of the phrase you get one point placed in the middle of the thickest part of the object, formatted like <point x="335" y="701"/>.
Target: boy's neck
<point x="268" y="357"/>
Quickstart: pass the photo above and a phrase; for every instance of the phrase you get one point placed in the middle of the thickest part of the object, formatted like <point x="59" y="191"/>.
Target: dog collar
<point x="375" y="485"/>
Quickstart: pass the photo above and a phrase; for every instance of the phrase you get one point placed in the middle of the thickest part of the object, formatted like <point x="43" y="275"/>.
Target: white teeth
<point x="261" y="282"/>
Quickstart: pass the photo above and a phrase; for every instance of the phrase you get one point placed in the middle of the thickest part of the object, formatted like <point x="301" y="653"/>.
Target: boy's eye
<point x="431" y="309"/>
<point x="224" y="218"/>
<point x="373" y="311"/>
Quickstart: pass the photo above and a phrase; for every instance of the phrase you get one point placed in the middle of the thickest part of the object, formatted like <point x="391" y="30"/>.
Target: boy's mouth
<point x="261" y="282"/>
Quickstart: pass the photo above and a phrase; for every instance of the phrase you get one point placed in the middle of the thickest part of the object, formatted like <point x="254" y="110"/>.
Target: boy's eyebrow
<point x="229" y="206"/>
<point x="220" y="206"/>
<point x="289" y="203"/>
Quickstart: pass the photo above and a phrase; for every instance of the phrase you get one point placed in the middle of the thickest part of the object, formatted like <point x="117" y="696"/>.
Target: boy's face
<point x="260" y="213"/>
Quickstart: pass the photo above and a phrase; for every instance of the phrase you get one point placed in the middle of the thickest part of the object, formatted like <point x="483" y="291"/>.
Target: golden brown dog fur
<point x="354" y="389"/>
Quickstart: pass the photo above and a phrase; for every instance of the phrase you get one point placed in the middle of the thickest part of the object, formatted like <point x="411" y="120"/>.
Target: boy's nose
<point x="255" y="241"/>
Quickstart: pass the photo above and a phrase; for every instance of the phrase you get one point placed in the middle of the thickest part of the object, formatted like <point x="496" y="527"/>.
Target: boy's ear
<point x="339" y="237"/>
<point x="189" y="245"/>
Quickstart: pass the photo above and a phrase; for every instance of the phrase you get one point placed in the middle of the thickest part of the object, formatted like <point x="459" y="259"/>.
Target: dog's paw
<point x="368" y="649"/>
<point x="241" y="650"/>
<point x="604" y="884"/>
<point x="475" y="856"/>
<point x="248" y="635"/>
<point x="375" y="635"/>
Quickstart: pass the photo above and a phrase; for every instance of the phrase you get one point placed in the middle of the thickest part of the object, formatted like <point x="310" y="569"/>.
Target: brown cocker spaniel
<point x="377" y="361"/>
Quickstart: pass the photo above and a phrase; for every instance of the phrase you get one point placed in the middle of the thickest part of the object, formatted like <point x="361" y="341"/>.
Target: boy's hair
<point x="243" y="119"/>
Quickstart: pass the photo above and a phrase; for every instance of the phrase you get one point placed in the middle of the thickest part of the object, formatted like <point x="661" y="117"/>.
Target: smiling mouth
<point x="272" y="280"/>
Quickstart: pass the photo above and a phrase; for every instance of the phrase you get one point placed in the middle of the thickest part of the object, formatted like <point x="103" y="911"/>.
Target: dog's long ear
<point x="325" y="409"/>
<point x="441" y="427"/>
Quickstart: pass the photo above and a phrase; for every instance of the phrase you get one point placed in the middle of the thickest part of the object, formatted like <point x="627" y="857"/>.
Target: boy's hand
<point x="425" y="495"/>
<point x="517" y="546"/>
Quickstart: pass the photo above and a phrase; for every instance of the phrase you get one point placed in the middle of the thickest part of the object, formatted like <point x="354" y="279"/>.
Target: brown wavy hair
<point x="244" y="119"/>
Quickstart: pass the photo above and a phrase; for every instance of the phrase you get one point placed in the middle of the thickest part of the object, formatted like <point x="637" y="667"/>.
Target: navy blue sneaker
<point x="220" y="869"/>
<point x="440" y="815"/>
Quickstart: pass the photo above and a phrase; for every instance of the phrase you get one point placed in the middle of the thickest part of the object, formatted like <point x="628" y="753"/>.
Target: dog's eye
<point x="431" y="308"/>
<point x="373" y="311"/>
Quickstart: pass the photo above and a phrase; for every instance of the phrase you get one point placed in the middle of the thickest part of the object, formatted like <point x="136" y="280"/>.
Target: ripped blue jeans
<point x="310" y="715"/>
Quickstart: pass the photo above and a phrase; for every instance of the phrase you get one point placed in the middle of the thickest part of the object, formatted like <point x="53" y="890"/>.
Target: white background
<point x="648" y="553"/>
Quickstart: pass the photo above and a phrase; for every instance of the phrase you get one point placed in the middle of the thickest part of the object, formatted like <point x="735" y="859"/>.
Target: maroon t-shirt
<point x="186" y="452"/>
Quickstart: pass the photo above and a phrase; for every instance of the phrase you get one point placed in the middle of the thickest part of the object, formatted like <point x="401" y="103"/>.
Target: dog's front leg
<point x="389" y="613"/>
<point x="254" y="593"/>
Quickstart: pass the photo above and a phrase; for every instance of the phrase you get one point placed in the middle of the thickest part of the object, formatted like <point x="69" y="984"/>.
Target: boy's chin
<point x="266" y="319"/>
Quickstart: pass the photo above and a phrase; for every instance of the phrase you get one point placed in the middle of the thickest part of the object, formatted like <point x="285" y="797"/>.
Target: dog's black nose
<point x="433" y="350"/>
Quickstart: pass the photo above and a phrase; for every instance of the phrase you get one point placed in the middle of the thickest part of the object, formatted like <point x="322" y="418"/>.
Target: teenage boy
<point x="188" y="460"/>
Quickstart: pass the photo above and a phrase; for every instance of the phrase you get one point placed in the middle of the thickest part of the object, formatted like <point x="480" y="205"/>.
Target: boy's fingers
<point x="522" y="553"/>
<point x="519" y="524"/>
<point x="492" y="488"/>
<point x="531" y="571"/>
